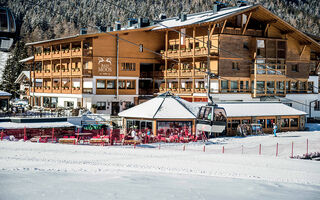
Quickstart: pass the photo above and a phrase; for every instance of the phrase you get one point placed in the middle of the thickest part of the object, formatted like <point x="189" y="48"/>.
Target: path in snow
<point x="168" y="172"/>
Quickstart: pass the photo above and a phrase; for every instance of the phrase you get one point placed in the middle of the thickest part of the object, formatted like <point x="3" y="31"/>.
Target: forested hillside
<point x="43" y="19"/>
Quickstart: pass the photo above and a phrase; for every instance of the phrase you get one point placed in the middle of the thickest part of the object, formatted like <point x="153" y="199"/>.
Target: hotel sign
<point x="105" y="66"/>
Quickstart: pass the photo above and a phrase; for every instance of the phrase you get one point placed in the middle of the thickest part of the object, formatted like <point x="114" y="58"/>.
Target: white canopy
<point x="13" y="125"/>
<point x="256" y="109"/>
<point x="165" y="106"/>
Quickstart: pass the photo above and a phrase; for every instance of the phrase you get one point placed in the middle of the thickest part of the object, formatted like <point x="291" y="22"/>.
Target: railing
<point x="269" y="69"/>
<point x="87" y="90"/>
<point x="87" y="72"/>
<point x="146" y="74"/>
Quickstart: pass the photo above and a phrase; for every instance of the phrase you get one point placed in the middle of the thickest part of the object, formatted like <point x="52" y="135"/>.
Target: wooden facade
<point x="251" y="51"/>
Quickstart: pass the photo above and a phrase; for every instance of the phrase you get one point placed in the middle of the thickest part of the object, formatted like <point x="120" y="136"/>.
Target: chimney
<point x="162" y="16"/>
<point x="215" y="8"/>
<point x="183" y="17"/>
<point x="118" y="26"/>
<point x="143" y="22"/>
<point x="131" y="22"/>
<point x="83" y="31"/>
<point x="242" y="3"/>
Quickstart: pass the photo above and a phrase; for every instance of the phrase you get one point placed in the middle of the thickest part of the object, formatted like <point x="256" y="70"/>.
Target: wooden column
<point x="166" y="61"/>
<point x="247" y="22"/>
<point x="255" y="77"/>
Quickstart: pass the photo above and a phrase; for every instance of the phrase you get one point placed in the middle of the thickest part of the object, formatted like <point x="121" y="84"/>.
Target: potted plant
<point x="162" y="51"/>
<point x="198" y="48"/>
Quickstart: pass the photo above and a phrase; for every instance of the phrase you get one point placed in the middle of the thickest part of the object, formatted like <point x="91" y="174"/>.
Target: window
<point x="68" y="104"/>
<point x="101" y="84"/>
<point x="245" y="45"/>
<point x="128" y="66"/>
<point x="294" y="122"/>
<point x="101" y="105"/>
<point x="270" y="123"/>
<point x="317" y="106"/>
<point x="260" y="87"/>
<point x="234" y="86"/>
<point x="293" y="86"/>
<point x="235" y="66"/>
<point x="224" y="86"/>
<point x="280" y="87"/>
<point x="122" y="84"/>
<point x="285" y="122"/>
<point x="131" y="84"/>
<point x="295" y="68"/>
<point x="111" y="84"/>
<point x="270" y="87"/>
<point x="262" y="122"/>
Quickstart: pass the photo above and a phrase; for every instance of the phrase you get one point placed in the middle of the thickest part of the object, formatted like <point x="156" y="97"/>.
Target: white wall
<point x="315" y="80"/>
<point x="302" y="102"/>
<point x="111" y="98"/>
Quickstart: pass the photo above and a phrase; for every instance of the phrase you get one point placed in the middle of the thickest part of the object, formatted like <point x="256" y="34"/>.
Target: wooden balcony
<point x="127" y="91"/>
<point x="158" y="74"/>
<point x="185" y="90"/>
<point x="38" y="73"/>
<point x="76" y="90"/>
<point x="46" y="55"/>
<point x="56" y="89"/>
<point x="66" y="72"/>
<point x="38" y="89"/>
<point x="87" y="91"/>
<point x="56" y="73"/>
<point x="106" y="91"/>
<point x="76" y="52"/>
<point x="186" y="72"/>
<point x="172" y="73"/>
<point x="66" y="90"/>
<point x="38" y="56"/>
<point x="56" y="54"/>
<point x="200" y="72"/>
<point x="46" y="89"/>
<point x="66" y="53"/>
<point x="186" y="53"/>
<point x="87" y="52"/>
<point x="76" y="72"/>
<point x="200" y="90"/>
<point x="47" y="73"/>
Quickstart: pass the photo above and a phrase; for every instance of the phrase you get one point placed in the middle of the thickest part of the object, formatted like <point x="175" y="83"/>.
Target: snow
<point x="198" y="18"/>
<point x="55" y="171"/>
<point x="259" y="109"/>
<point x="3" y="61"/>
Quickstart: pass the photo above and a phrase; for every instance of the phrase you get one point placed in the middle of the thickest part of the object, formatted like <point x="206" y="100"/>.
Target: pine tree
<point x="13" y="68"/>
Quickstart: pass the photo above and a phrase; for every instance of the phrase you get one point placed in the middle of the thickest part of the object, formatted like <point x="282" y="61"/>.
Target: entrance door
<point x="115" y="108"/>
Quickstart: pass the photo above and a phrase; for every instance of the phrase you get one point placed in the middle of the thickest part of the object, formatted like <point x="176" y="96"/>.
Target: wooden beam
<point x="212" y="30"/>
<point x="270" y="21"/>
<point x="224" y="25"/>
<point x="304" y="48"/>
<point x="266" y="29"/>
<point x="247" y="22"/>
<point x="286" y="32"/>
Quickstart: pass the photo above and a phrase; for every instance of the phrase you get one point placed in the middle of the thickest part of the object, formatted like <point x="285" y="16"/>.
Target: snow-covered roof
<point x="13" y="125"/>
<point x="22" y="75"/>
<point x="165" y="106"/>
<point x="256" y="109"/>
<point x="3" y="93"/>
<point x="199" y="18"/>
<point x="26" y="59"/>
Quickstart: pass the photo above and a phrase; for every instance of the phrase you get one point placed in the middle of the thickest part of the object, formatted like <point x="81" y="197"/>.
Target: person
<point x="133" y="133"/>
<point x="275" y="129"/>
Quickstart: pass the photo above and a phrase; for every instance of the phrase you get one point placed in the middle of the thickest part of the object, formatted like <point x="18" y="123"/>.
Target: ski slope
<point x="54" y="171"/>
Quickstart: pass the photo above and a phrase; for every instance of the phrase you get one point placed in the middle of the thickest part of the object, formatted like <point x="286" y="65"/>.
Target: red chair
<point x="65" y="136"/>
<point x="72" y="137"/>
<point x="163" y="139"/>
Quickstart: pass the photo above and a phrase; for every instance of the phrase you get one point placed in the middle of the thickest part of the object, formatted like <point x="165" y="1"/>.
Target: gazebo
<point x="164" y="113"/>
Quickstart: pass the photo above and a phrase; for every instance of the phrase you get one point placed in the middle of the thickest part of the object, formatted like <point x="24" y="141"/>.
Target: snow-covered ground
<point x="54" y="171"/>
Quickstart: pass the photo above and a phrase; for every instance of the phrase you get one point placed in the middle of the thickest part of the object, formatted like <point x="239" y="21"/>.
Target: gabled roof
<point x="22" y="76"/>
<point x="164" y="106"/>
<point x="200" y="18"/>
<point x="256" y="109"/>
<point x="258" y="12"/>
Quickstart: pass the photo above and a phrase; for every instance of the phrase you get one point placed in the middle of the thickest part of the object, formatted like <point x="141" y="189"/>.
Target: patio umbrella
<point x="25" y="134"/>
<point x="78" y="134"/>
<point x="1" y="135"/>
